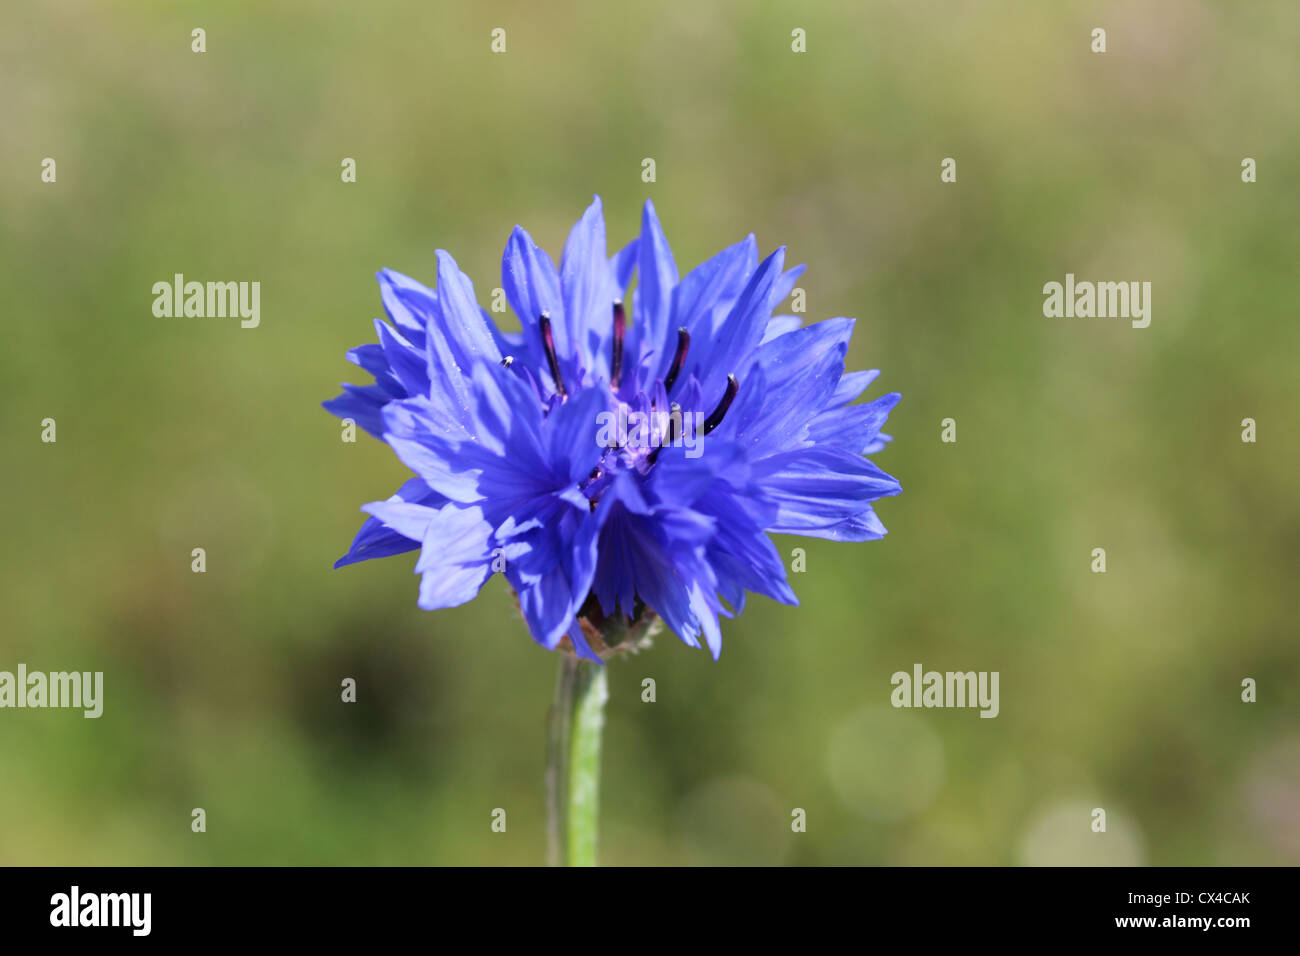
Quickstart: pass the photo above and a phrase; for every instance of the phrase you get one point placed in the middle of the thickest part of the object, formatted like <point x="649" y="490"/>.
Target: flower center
<point x="640" y="453"/>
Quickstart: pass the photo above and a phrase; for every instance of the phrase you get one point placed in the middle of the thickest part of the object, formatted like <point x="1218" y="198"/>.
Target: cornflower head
<point x="615" y="463"/>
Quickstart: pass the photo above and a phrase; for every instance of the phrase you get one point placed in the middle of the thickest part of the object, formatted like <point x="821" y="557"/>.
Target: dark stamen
<point x="620" y="326"/>
<point x="683" y="343"/>
<point x="548" y="342"/>
<point x="670" y="433"/>
<point x="674" y="423"/>
<point x="715" y="418"/>
<point x="622" y="428"/>
<point x="507" y="361"/>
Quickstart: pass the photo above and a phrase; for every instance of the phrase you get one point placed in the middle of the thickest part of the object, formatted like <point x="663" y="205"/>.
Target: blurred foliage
<point x="222" y="690"/>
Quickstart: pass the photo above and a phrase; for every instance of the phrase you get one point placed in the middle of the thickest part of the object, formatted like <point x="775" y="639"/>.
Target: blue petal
<point x="364" y="404"/>
<point x="877" y="444"/>
<point x="650" y="554"/>
<point x="455" y="558"/>
<point x="373" y="360"/>
<point x="532" y="287"/>
<point x="411" y="305"/>
<point x="785" y="285"/>
<point x="854" y="428"/>
<point x="741" y="331"/>
<point x="851" y="386"/>
<point x="801" y="348"/>
<point x="704" y="607"/>
<point x="580" y="644"/>
<point x="779" y="325"/>
<point x="463" y="321"/>
<point x="656" y="278"/>
<point x="770" y="420"/>
<point x="589" y="290"/>
<point x="408" y="519"/>
<point x="623" y="262"/>
<point x="816" y="487"/>
<point x="552" y="578"/>
<point x="408" y="363"/>
<point x="547" y="606"/>
<point x="807" y="363"/>
<point x="571" y="434"/>
<point x="743" y="556"/>
<point x="712" y="286"/>
<point x="424" y="440"/>
<point x="377" y="540"/>
<point x="863" y="526"/>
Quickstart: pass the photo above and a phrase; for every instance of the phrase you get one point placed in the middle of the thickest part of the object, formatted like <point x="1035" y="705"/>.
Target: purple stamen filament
<point x="670" y="433"/>
<point x="620" y="327"/>
<point x="548" y="343"/>
<point x="683" y="343"/>
<point x="715" y="417"/>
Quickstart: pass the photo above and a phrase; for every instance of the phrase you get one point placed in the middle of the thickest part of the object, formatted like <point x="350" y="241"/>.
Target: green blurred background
<point x="1118" y="690"/>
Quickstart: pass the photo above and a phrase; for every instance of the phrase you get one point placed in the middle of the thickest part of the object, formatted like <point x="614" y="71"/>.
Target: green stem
<point x="575" y="724"/>
<point x="590" y="693"/>
<point x="557" y="760"/>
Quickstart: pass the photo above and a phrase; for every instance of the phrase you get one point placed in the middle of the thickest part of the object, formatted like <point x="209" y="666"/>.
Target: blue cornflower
<point x="611" y="468"/>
